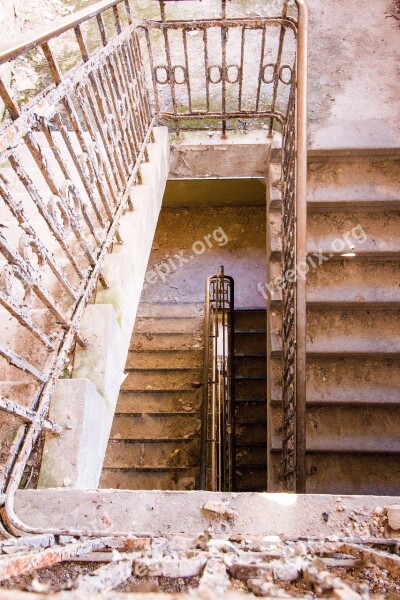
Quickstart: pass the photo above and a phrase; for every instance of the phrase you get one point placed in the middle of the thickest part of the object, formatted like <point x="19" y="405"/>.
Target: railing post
<point x="301" y="245"/>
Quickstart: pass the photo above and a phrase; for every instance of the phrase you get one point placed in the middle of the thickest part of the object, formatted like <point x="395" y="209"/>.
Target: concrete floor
<point x="354" y="74"/>
<point x="236" y="240"/>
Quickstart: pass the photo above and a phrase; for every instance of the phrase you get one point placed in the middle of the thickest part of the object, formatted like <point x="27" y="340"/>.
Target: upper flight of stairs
<point x="250" y="400"/>
<point x="155" y="438"/>
<point x="353" y="328"/>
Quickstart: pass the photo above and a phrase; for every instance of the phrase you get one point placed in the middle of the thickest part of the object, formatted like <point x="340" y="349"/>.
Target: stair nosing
<point x="157" y="414"/>
<point x="135" y="440"/>
<point x="149" y="469"/>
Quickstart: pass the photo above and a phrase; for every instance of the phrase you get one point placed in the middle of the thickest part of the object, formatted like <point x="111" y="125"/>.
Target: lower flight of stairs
<point x="353" y="328"/>
<point x="250" y="400"/>
<point x="155" y="437"/>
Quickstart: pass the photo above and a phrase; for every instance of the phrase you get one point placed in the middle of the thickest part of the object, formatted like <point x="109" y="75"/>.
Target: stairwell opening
<point x="155" y="438"/>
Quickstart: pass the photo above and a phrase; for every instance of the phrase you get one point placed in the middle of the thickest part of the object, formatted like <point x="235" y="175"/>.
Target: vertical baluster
<point x="121" y="83"/>
<point x="144" y="123"/>
<point x="114" y="128"/>
<point x="9" y="102"/>
<point x="52" y="224"/>
<point x="117" y="20"/>
<point x="139" y="129"/>
<point x="84" y="106"/>
<point x="49" y="177"/>
<point x="52" y="62"/>
<point x="153" y="75"/>
<point x="102" y="29"/>
<point x="86" y="184"/>
<point x="99" y="102"/>
<point x="141" y="114"/>
<point x="205" y="42"/>
<point x="18" y="212"/>
<point x="107" y="77"/>
<point x="81" y="43"/>
<point x="126" y="79"/>
<point x="169" y="64"/>
<point x="102" y="128"/>
<point x="278" y="66"/>
<point x="224" y="33"/>
<point x="260" y="70"/>
<point x="143" y="82"/>
<point x="242" y="45"/>
<point x="128" y="11"/>
<point x="185" y="49"/>
<point x="74" y="119"/>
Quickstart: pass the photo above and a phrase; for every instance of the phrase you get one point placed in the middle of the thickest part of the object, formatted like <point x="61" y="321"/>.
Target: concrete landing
<point x="354" y="84"/>
<point x="188" y="513"/>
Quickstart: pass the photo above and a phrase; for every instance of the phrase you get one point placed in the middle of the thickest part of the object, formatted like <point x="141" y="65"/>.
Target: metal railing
<point x="217" y="471"/>
<point x="222" y="69"/>
<point x="70" y="159"/>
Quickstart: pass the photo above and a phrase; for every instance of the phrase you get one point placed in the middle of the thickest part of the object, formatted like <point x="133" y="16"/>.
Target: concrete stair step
<point x="347" y="332"/>
<point x="360" y="233"/>
<point x="188" y="359"/>
<point x="351" y="474"/>
<point x="250" y="342"/>
<point x="251" y="456"/>
<point x="377" y="180"/>
<point x="351" y="381"/>
<point x="334" y="235"/>
<point x="356" y="282"/>
<point x="169" y="325"/>
<point x="250" y="366"/>
<point x="247" y="389"/>
<point x="142" y="402"/>
<point x="156" y="426"/>
<point x="349" y="206"/>
<point x="252" y="319"/>
<point x="153" y="380"/>
<point x="251" y="478"/>
<point x="157" y="342"/>
<point x="167" y="479"/>
<point x="152" y="455"/>
<point x="351" y="281"/>
<point x="353" y="332"/>
<point x="347" y="381"/>
<point x="251" y="413"/>
<point x="354" y="429"/>
<point x="169" y="310"/>
<point x="248" y="434"/>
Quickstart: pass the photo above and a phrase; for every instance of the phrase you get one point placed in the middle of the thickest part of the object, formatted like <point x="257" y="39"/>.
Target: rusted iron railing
<point x="70" y="159"/>
<point x="244" y="68"/>
<point x="294" y="256"/>
<point x="218" y="404"/>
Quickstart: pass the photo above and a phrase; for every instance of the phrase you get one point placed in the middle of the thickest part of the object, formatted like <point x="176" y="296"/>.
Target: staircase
<point x="353" y="328"/>
<point x="155" y="437"/>
<point x="250" y="400"/>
